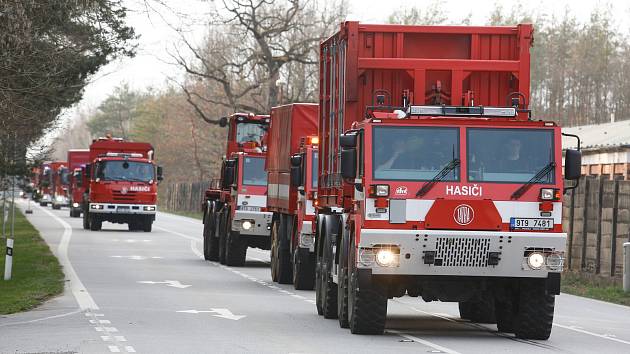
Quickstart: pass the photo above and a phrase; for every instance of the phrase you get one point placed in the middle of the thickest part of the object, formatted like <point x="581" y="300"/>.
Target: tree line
<point x="49" y="51"/>
<point x="257" y="54"/>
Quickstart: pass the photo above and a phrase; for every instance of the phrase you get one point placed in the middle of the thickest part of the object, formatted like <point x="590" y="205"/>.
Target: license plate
<point x="249" y="208"/>
<point x="531" y="223"/>
<point x="123" y="207"/>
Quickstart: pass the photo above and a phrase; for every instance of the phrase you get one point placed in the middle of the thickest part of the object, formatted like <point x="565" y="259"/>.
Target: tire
<point x="132" y="225"/>
<point x="481" y="311"/>
<point x="367" y="306"/>
<point x="95" y="223"/>
<point x="504" y="312"/>
<point x="342" y="284"/>
<point x="318" y="266"/>
<point x="86" y="221"/>
<point x="303" y="269"/>
<point x="275" y="240"/>
<point x="147" y="224"/>
<point x="328" y="287"/>
<point x="535" y="310"/>
<point x="43" y="204"/>
<point x="210" y="243"/>
<point x="281" y="267"/>
<point x="236" y="249"/>
<point x="221" y="228"/>
<point x="56" y="207"/>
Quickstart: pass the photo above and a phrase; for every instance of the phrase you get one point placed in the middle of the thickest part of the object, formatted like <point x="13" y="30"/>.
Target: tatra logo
<point x="402" y="190"/>
<point x="474" y="190"/>
<point x="463" y="214"/>
<point x="140" y="188"/>
<point x="124" y="190"/>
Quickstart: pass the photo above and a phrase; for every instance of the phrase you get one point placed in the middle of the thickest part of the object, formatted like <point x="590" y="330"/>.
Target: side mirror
<point x="296" y="160"/>
<point x="572" y="165"/>
<point x="348" y="141"/>
<point x="296" y="176"/>
<point x="88" y="171"/>
<point x="223" y="121"/>
<point x="228" y="178"/>
<point x="160" y="173"/>
<point x="349" y="163"/>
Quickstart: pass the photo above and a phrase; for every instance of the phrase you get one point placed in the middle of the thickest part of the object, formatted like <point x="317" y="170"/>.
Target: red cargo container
<point x="289" y="124"/>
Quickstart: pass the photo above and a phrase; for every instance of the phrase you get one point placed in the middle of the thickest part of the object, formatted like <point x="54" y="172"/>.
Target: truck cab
<point x="235" y="215"/>
<point x="123" y="179"/>
<point x="60" y="182"/>
<point x="44" y="187"/>
<point x="77" y="160"/>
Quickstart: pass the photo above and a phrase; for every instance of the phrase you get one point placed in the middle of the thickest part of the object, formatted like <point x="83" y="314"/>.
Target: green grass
<point x="595" y="288"/>
<point x="37" y="275"/>
<point x="191" y="214"/>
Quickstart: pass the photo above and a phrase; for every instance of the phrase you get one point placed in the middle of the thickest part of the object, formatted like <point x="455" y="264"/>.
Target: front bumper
<point x="61" y="200"/>
<point x="46" y="198"/>
<point x="462" y="253"/>
<point x="260" y="222"/>
<point x="114" y="208"/>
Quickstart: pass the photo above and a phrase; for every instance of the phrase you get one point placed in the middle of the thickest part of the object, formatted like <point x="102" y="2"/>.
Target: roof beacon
<point x="464" y="111"/>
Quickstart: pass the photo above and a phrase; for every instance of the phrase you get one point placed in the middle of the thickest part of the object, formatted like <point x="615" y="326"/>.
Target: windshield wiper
<point x="537" y="178"/>
<point x="440" y="176"/>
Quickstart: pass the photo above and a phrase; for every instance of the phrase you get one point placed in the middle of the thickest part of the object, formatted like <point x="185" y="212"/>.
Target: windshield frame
<point x="245" y="169"/>
<point x="314" y="168"/>
<point x="458" y="147"/>
<point x="98" y="169"/>
<point x="549" y="131"/>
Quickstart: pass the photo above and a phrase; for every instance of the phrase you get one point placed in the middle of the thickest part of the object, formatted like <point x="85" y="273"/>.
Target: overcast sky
<point x="150" y="67"/>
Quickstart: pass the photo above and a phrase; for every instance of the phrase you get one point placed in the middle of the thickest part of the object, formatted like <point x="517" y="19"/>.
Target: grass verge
<point x="191" y="214"/>
<point x="36" y="276"/>
<point x="594" y="287"/>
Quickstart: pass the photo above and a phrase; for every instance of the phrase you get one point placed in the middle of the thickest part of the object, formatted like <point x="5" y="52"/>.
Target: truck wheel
<point x="210" y="243"/>
<point x="236" y="249"/>
<point x="504" y="311"/>
<point x="342" y="284"/>
<point x="367" y="307"/>
<point x="478" y="311"/>
<point x="535" y="310"/>
<point x="281" y="268"/>
<point x="221" y="229"/>
<point x="328" y="287"/>
<point x="147" y="224"/>
<point x="95" y="223"/>
<point x="303" y="269"/>
<point x="86" y="220"/>
<point x="43" y="204"/>
<point x="56" y="206"/>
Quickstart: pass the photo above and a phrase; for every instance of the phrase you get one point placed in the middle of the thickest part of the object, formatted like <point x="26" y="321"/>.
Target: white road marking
<point x="171" y="283"/>
<point x="129" y="349"/>
<point x="137" y="258"/>
<point x="120" y="339"/>
<point x="91" y="314"/>
<point x="424" y="342"/>
<point x="113" y="348"/>
<point x="40" y="319"/>
<point x="100" y="322"/>
<point x="603" y="336"/>
<point x="83" y="297"/>
<point x="222" y="313"/>
<point x="106" y="329"/>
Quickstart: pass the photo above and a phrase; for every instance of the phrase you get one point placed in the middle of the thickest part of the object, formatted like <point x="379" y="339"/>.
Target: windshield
<point x="414" y="153"/>
<point x="254" y="173"/>
<point x="314" y="171"/>
<point x="64" y="175"/>
<point x="125" y="171"/>
<point x="246" y="132"/>
<point x="509" y="155"/>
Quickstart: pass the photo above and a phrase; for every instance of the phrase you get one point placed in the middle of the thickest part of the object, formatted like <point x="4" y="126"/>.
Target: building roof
<point x="599" y="136"/>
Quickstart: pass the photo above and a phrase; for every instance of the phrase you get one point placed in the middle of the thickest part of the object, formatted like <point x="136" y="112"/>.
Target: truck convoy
<point x="77" y="159"/>
<point x="292" y="147"/>
<point x="235" y="215"/>
<point x="60" y="180"/>
<point x="435" y="181"/>
<point x="122" y="184"/>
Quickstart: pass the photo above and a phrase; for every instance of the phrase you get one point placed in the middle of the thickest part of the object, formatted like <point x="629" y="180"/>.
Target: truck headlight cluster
<point x="246" y="225"/>
<point x="379" y="190"/>
<point x="382" y="255"/>
<point x="75" y="205"/>
<point x="96" y="206"/>
<point x="549" y="194"/>
<point x="149" y="208"/>
<point x="544" y="259"/>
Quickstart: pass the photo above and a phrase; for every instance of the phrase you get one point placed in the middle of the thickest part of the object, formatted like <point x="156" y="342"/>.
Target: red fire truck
<point x="292" y="141"/>
<point x="122" y="186"/>
<point x="235" y="215"/>
<point x="77" y="159"/>
<point x="435" y="180"/>
<point x="60" y="181"/>
<point x="44" y="187"/>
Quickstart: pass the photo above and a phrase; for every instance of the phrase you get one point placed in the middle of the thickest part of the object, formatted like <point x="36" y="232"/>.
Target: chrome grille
<point x="462" y="252"/>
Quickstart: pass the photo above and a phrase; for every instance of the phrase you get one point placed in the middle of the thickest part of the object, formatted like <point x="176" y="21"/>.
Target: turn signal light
<point x="379" y="190"/>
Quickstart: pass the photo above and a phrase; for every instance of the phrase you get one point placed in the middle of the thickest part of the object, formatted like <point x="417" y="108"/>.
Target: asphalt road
<point x="153" y="293"/>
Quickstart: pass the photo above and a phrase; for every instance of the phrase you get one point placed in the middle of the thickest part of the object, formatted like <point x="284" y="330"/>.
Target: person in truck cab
<point x="404" y="154"/>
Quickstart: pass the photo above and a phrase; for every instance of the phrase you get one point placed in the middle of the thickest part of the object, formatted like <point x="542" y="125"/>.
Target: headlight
<point x="536" y="260"/>
<point x="379" y="190"/>
<point x="555" y="261"/>
<point x="59" y="198"/>
<point x="386" y="257"/>
<point x="549" y="194"/>
<point x="247" y="225"/>
<point x="149" y="208"/>
<point x="75" y="205"/>
<point x="96" y="206"/>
